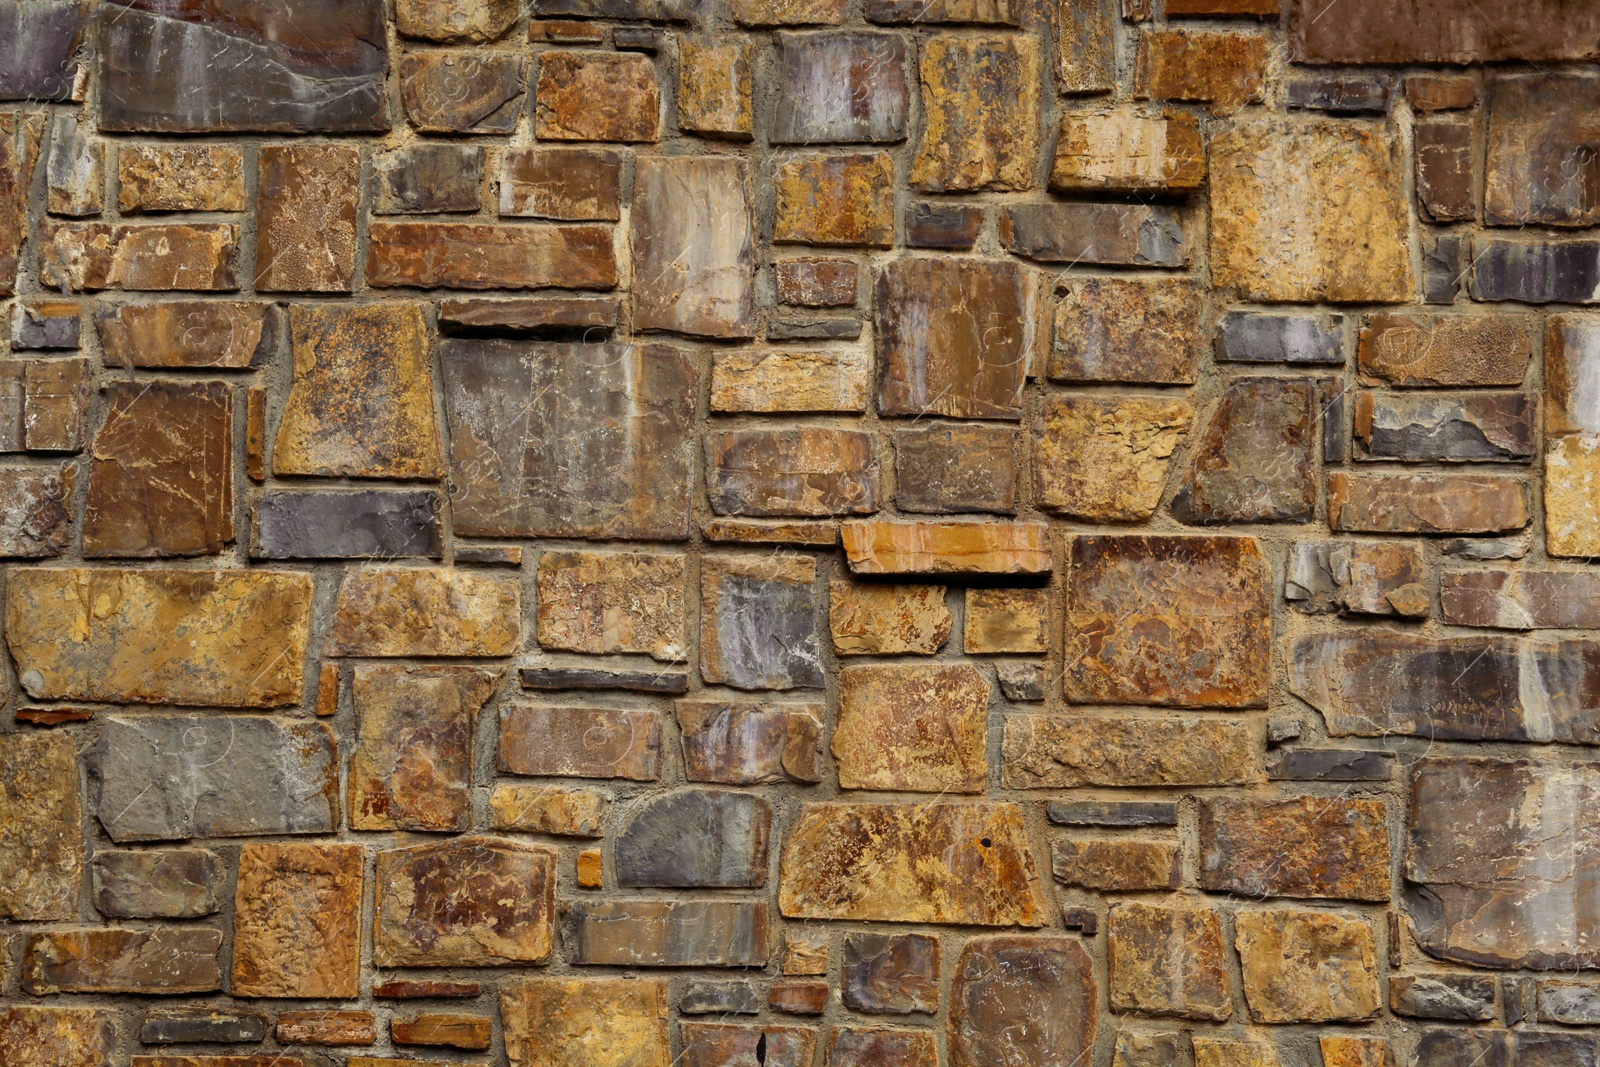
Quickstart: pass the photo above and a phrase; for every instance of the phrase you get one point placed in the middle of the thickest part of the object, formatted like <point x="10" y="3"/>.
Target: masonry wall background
<point x="800" y="533"/>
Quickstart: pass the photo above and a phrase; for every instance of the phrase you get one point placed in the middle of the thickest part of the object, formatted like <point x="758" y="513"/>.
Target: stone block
<point x="1083" y="232"/>
<point x="980" y="102"/>
<point x="1426" y="503"/>
<point x="758" y="622"/>
<point x="747" y="744"/>
<point x="464" y="902"/>
<point x="873" y="619"/>
<point x="714" y="88"/>
<point x="179" y="177"/>
<point x="460" y="91"/>
<point x="39" y="56"/>
<point x="297" y="921"/>
<point x="41" y="848"/>
<point x="912" y="728"/>
<point x="90" y="256"/>
<point x="306" y="203"/>
<point x="782" y="379"/>
<point x="803" y="471"/>
<point x="1257" y="459"/>
<point x="1168" y="961"/>
<point x="1542" y="169"/>
<point x="1307" y="966"/>
<point x="201" y="1025"/>
<point x="1308" y="847"/>
<point x="428" y="179"/>
<point x="167" y="883"/>
<point x="1007" y="620"/>
<point x="1116" y="865"/>
<point x="1106" y="458"/>
<point x="329" y="1028"/>
<point x="185" y="334"/>
<point x="1444" y="428"/>
<point x="1457" y="997"/>
<point x="891" y="974"/>
<point x="48" y="1036"/>
<point x="596" y="96"/>
<point x="1409" y="348"/>
<point x="1447" y="31"/>
<point x="421" y="612"/>
<point x="834" y="200"/>
<point x="543" y="809"/>
<point x="1520" y="599"/>
<point x="1249" y="337"/>
<point x="375" y="524"/>
<point x="464" y="255"/>
<point x="1116" y="330"/>
<point x="36" y="511"/>
<point x="1358" y="577"/>
<point x="20" y="137"/>
<point x="691" y="236"/>
<point x="561" y="183"/>
<point x="1571" y="364"/>
<point x="949" y="469"/>
<point x="1128" y="150"/>
<point x="456" y="20"/>
<point x="943" y="225"/>
<point x="1223" y="70"/>
<point x="850" y="1046"/>
<point x="665" y="933"/>
<point x="1086" y="46"/>
<point x="164" y="961"/>
<point x="1067" y="751"/>
<point x="580" y="742"/>
<point x="839" y="87"/>
<point x="694" y="838"/>
<point x="609" y="602"/>
<point x="585" y="1022"/>
<point x="816" y="282"/>
<point x="1028" y="1001"/>
<point x="1446" y="170"/>
<point x="935" y="548"/>
<point x="74" y="169"/>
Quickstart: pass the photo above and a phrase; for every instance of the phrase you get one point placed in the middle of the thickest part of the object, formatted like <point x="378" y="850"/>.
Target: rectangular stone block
<point x="462" y="91"/>
<point x="691" y="236"/>
<point x="39" y="42"/>
<point x="580" y="742"/>
<point x="782" y="380"/>
<point x="561" y="183"/>
<point x="375" y="524"/>
<point x="1410" y="348"/>
<point x="1224" y="70"/>
<point x="600" y="1022"/>
<point x="1070" y="751"/>
<point x="1448" y="31"/>
<point x="36" y="511"/>
<point x="460" y="255"/>
<point x="750" y="744"/>
<point x="570" y="83"/>
<point x="952" y="469"/>
<point x="883" y="547"/>
<point x="609" y="602"/>
<point x="1309" y="847"/>
<point x="980" y="105"/>
<point x="1534" y="271"/>
<point x="840" y="87"/>
<point x="1246" y="337"/>
<point x="1168" y="962"/>
<point x="1086" y="48"/>
<point x="1572" y="375"/>
<point x="714" y="88"/>
<point x="46" y="325"/>
<point x="327" y="1028"/>
<point x="1426" y="503"/>
<point x="804" y="471"/>
<point x="758" y="622"/>
<point x="184" y="334"/>
<point x="41" y="846"/>
<point x="1444" y="428"/>
<point x="1116" y="865"/>
<point x="20" y="136"/>
<point x="297" y="921"/>
<point x="1307" y="966"/>
<point x="1521" y="599"/>
<point x="1361" y="577"/>
<point x="185" y="1027"/>
<point x="1446" y="168"/>
<point x="179" y="177"/>
<point x="529" y="315"/>
<point x="1127" y="150"/>
<point x="167" y="883"/>
<point x="665" y="933"/>
<point x="165" y="961"/>
<point x="549" y="810"/>
<point x="1113" y="235"/>
<point x="150" y="255"/>
<point x="419" y="612"/>
<point x="912" y="727"/>
<point x="427" y="179"/>
<point x="464" y="902"/>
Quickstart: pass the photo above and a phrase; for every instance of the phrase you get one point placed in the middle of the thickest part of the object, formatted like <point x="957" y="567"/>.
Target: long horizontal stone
<point x="532" y="314"/>
<point x="559" y="678"/>
<point x="1071" y="751"/>
<point x="1247" y="337"/>
<point x="665" y="933"/>
<point x="166" y="961"/>
<point x="224" y="334"/>
<point x="466" y="255"/>
<point x="153" y="255"/>
<point x="1536" y="272"/>
<point x="1444" y="428"/>
<point x="374" y="524"/>
<point x="1125" y="235"/>
<point x="884" y="547"/>
<point x="580" y="742"/>
<point x="1521" y="599"/>
<point x="1426" y="503"/>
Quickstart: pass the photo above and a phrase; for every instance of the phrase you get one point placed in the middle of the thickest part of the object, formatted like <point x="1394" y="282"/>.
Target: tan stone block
<point x="412" y="764"/>
<point x="41" y="844"/>
<point x="207" y="638"/>
<point x="1233" y="1052"/>
<point x="33" y="1036"/>
<point x="781" y="379"/>
<point x="597" y="96"/>
<point x="608" y="602"/>
<point x="980" y="99"/>
<point x="1007" y="620"/>
<point x="456" y="20"/>
<point x="714" y="87"/>
<point x="103" y="255"/>
<point x="692" y="238"/>
<point x="180" y="177"/>
<point x="913" y="727"/>
<point x="1428" y="503"/>
<point x="464" y="902"/>
<point x="561" y="183"/>
<point x="1341" y="1050"/>
<point x="1128" y="150"/>
<point x="787" y="12"/>
<point x="1572" y="496"/>
<point x="1117" y="865"/>
<point x="884" y="547"/>
<point x="805" y="952"/>
<point x="361" y="402"/>
<point x="1068" y="751"/>
<point x="20" y="136"/>
<point x="1168" y="961"/>
<point x="872" y="619"/>
<point x="835" y="200"/>
<point x="1106" y="459"/>
<point x="1310" y="210"/>
<point x="1307" y="966"/>
<point x="1309" y="847"/>
<point x="586" y="1022"/>
<point x="297" y="921"/>
<point x="332" y="1028"/>
<point x="420" y="612"/>
<point x="306" y="202"/>
<point x="1225" y="70"/>
<point x="545" y="809"/>
<point x="923" y="862"/>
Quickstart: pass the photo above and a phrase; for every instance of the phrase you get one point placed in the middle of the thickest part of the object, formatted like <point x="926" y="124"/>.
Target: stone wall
<point x="800" y="533"/>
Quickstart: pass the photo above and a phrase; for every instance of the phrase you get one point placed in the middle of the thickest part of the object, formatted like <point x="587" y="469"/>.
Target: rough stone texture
<point x="596" y="96"/>
<point x="1024" y="1000"/>
<point x="714" y="87"/>
<point x="835" y="200"/>
<point x="417" y="612"/>
<point x="930" y="548"/>
<point x="1126" y="150"/>
<point x="1123" y="865"/>
<point x="465" y="902"/>
<point x="164" y="961"/>
<point x="580" y="742"/>
<point x="1520" y="600"/>
<point x="1446" y="175"/>
<point x="758" y="622"/>
<point x="1542" y="168"/>
<point x="691" y="240"/>
<point x="1451" y="428"/>
<point x="602" y="602"/>
<point x="873" y="619"/>
<point x="1106" y="459"/>
<point x="1168" y="961"/>
<point x="183" y="334"/>
<point x="297" y="921"/>
<point x="891" y="974"/>
<point x="745" y="744"/>
<point x="1445" y="348"/>
<point x="1224" y="70"/>
<point x="1115" y="330"/>
<point x="376" y="524"/>
<point x="912" y="728"/>
<point x="306" y="202"/>
<point x="1571" y="467"/>
<point x="1441" y="31"/>
<point x="1439" y="503"/>
<point x="722" y="1045"/>
<point x="550" y="810"/>
<point x="980" y="99"/>
<point x="604" y="1022"/>
<point x="455" y="20"/>
<point x="56" y="1037"/>
<point x="1110" y="234"/>
<point x="560" y="183"/>
<point x="1358" y="577"/>
<point x="665" y="933"/>
<point x="1460" y="997"/>
<point x="781" y="380"/>
<point x="173" y="883"/>
<point x="1306" y="966"/>
<point x="1256" y="460"/>
<point x="35" y="511"/>
<point x="41" y="850"/>
<point x="840" y="87"/>
<point x="1247" y="337"/>
<point x="426" y="179"/>
<point x="1318" y="847"/>
<point x="952" y="469"/>
<point x="461" y="255"/>
<point x="99" y="255"/>
<point x="695" y="838"/>
<point x="1064" y="751"/>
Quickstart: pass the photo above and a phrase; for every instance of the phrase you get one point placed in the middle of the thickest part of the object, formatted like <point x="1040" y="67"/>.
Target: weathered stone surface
<point x="1231" y="1052"/>
<point x="1115" y="330"/>
<point x="557" y="678"/>
<point x="1341" y="93"/>
<point x="872" y="862"/>
<point x="306" y="205"/>
<point x="840" y="87"/>
<point x="39" y="44"/>
<point x="745" y="744"/>
<point x="1442" y="31"/>
<point x="1247" y="337"/>
<point x="691" y="236"/>
<point x="1571" y="1003"/>
<point x="179" y="177"/>
<point x="1408" y="348"/>
<point x="607" y="602"/>
<point x="1106" y="458"/>
<point x="1520" y="600"/>
<point x="1065" y="751"/>
<point x="952" y="469"/>
<point x="456" y="20"/>
<point x="1444" y="266"/>
<point x="20" y="136"/>
<point x="74" y="169"/>
<point x="1330" y="765"/>
<point x="1572" y="375"/>
<point x="805" y="952"/>
<point x="41" y="849"/>
<point x="1571" y="472"/>
<point x="604" y="453"/>
<point x="297" y="921"/>
<point x="1167" y="620"/>
<point x="665" y="933"/>
<point x="36" y="511"/>
<point x="45" y="325"/>
<point x="464" y="902"/>
<point x="1112" y="813"/>
<point x="1307" y="966"/>
<point x="980" y="100"/>
<point x="420" y="612"/>
<point x="361" y="403"/>
<point x="161" y="480"/>
<point x="163" y="961"/>
<point x="167" y="883"/>
<point x="1224" y="70"/>
<point x="1359" y="577"/>
<point x="869" y="619"/>
<point x="103" y="255"/>
<point x="860" y="1047"/>
<point x="183" y="334"/>
<point x="332" y="1028"/>
<point x="462" y="255"/>
<point x="714" y="88"/>
<point x="799" y="329"/>
<point x="1310" y="847"/>
<point x="549" y="810"/>
<point x="1007" y="620"/>
<point x="602" y="1022"/>
<point x="163" y="779"/>
<point x="816" y="281"/>
<point x="1442" y="92"/>
<point x="1256" y="461"/>
<point x="1535" y="272"/>
<point x="955" y="337"/>
<point x="561" y="183"/>
<point x="375" y="524"/>
<point x="412" y="764"/>
<point x="798" y="997"/>
<point x="1168" y="961"/>
<point x="1128" y="150"/>
<point x="1445" y="1048"/>
<point x="193" y="1026"/>
<point x="695" y="838"/>
<point x="718" y="998"/>
<point x="758" y="622"/>
<point x="1028" y="1001"/>
<point x="472" y="1032"/>
<point x="1458" y="997"/>
<point x="1542" y="168"/>
<point x="213" y="638"/>
<point x="786" y="13"/>
<point x="32" y="1036"/>
<point x="1341" y="1050"/>
<point x="596" y="96"/>
<point x="781" y="379"/>
<point x="462" y="91"/>
<point x="721" y="1045"/>
<point x="45" y="404"/>
<point x="834" y="200"/>
<point x="912" y="727"/>
<point x="425" y="179"/>
<point x="802" y="471"/>
<point x="1118" y="235"/>
<point x="756" y="532"/>
<point x="529" y="315"/>
<point x="1156" y="1050"/>
<point x="580" y="742"/>
<point x="930" y="548"/>
<point x="1116" y="865"/>
<point x="1446" y="175"/>
<point x="1426" y="503"/>
<point x="891" y="974"/>
<point x="1086" y="49"/>
<point x="943" y="225"/>
<point x="1309" y="210"/>
<point x="1451" y="428"/>
<point x="426" y="989"/>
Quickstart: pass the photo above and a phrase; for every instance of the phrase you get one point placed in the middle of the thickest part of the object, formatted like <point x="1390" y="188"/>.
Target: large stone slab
<point x="912" y="728"/>
<point x="164" y="961"/>
<point x="1022" y="1001"/>
<point x="604" y="451"/>
<point x="250" y="65"/>
<point x="1070" y="751"/>
<point x="694" y="838"/>
<point x="211" y="638"/>
<point x="593" y="1022"/>
<point x="692" y="237"/>
<point x="840" y="87"/>
<point x="1310" y="210"/>
<point x="171" y="778"/>
<point x="665" y="933"/>
<point x="422" y="612"/>
<point x="1257" y="460"/>
<point x="39" y="43"/>
<point x="1180" y="621"/>
<point x="1446" y="31"/>
<point x="1426" y="503"/>
<point x="580" y="742"/>
<point x="980" y="103"/>
<point x="911" y="863"/>
<point x="464" y="902"/>
<point x="1308" y="847"/>
<point x="41" y="846"/>
<point x="297" y="921"/>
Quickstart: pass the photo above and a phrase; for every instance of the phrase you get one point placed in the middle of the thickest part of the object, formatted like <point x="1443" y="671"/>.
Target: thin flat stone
<point x="665" y="933"/>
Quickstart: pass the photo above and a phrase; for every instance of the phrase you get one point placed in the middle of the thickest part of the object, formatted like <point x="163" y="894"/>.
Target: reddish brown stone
<point x="666" y="933"/>
<point x="751" y="532"/>
<point x="1448" y="31"/>
<point x="180" y="334"/>
<point x="858" y="1047"/>
<point x="608" y="602"/>
<point x="462" y="91"/>
<point x="724" y="1045"/>
<point x="597" y="96"/>
<point x="43" y="405"/>
<point x="461" y="255"/>
<point x="20" y="137"/>
<point x="816" y="282"/>
<point x="158" y="962"/>
<point x="912" y="728"/>
<point x="1541" y="165"/>
<point x="811" y="470"/>
<point x="835" y="200"/>
<point x="1426" y="503"/>
<point x="798" y="997"/>
<point x="692" y="239"/>
<point x="744" y="744"/>
<point x="161" y="481"/>
<point x="337" y="1028"/>
<point x="297" y="921"/>
<point x="1442" y="92"/>
<point x="306" y="218"/>
<point x="580" y="742"/>
<point x="103" y="255"/>
<point x="49" y="1036"/>
<point x="1113" y="330"/>
<point x="528" y="314"/>
<point x="52" y="716"/>
<point x="255" y="434"/>
<point x="1256" y="461"/>
<point x="1225" y="70"/>
<point x="1445" y="171"/>
<point x="1521" y="600"/>
<point x="891" y="974"/>
<point x="426" y="990"/>
<point x="471" y="1032"/>
<point x="561" y="183"/>
<point x="1023" y="1001"/>
<point x="1445" y="348"/>
<point x="1310" y="847"/>
<point x="956" y="468"/>
<point x="465" y="902"/>
<point x="1168" y="961"/>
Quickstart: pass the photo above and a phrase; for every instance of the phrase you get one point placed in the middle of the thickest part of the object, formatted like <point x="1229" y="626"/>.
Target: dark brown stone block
<point x="816" y="282"/>
<point x="947" y="469"/>
<point x="953" y="226"/>
<point x="462" y="91"/>
<point x="1312" y="847"/>
<point x="1445" y="168"/>
<point x="464" y="902"/>
<point x="462" y="255"/>
<point x="39" y="43"/>
<point x="183" y="334"/>
<point x="1521" y="599"/>
<point x="860" y="1047"/>
<point x="665" y="933"/>
<point x="471" y="1032"/>
<point x="1026" y="1001"/>
<point x="1444" y="428"/>
<point x="1116" y="865"/>
<point x="1426" y="503"/>
<point x="1442" y="92"/>
<point x="1257" y="460"/>
<point x="162" y="961"/>
<point x="806" y="471"/>
<point x="427" y="179"/>
<point x="724" y="1045"/>
<point x="378" y="524"/>
<point x="891" y="974"/>
<point x="580" y="742"/>
<point x="306" y="200"/>
<point x="1446" y="31"/>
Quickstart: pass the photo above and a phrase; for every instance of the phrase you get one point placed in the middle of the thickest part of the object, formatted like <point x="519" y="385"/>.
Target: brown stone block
<point x="816" y="282"/>
<point x="161" y="480"/>
<point x="549" y="810"/>
<point x="528" y="314"/>
<point x="981" y="12"/>
<point x="1309" y="847"/>
<point x="874" y="619"/>
<point x="179" y="177"/>
<point x="597" y="1022"/>
<point x="597" y="96"/>
<point x="692" y="240"/>
<point x="1106" y="459"/>
<point x="41" y="849"/>
<point x="1007" y="620"/>
<point x="1257" y="460"/>
<point x="780" y="379"/>
<point x="306" y="200"/>
<point x="724" y="1045"/>
<point x="860" y="1047"/>
<point x="1068" y="751"/>
<point x="422" y="179"/>
<point x="1168" y="961"/>
<point x="462" y="91"/>
<point x="912" y="727"/>
<point x="1128" y="150"/>
<point x="208" y="638"/>
<point x="337" y="1028"/>
<point x="805" y="952"/>
<point x="665" y="933"/>
<point x="421" y="612"/>
<point x="561" y="183"/>
<point x="1224" y="70"/>
<point x="255" y="434"/>
<point x="1448" y="31"/>
<point x="103" y="255"/>
<point x="1344" y="1051"/>
<point x="580" y="742"/>
<point x="163" y="961"/>
<point x="835" y="200"/>
<point x="184" y="334"/>
<point x="1542" y="168"/>
<point x="1444" y="348"/>
<point x="1571" y="473"/>
<point x="1360" y="577"/>
<point x="1028" y="1001"/>
<point x="758" y="622"/>
<point x="20" y="136"/>
<point x="472" y="1032"/>
<point x="54" y="396"/>
<point x="980" y="98"/>
<point x="1117" y="330"/>
<point x="462" y="255"/>
<point x="464" y="902"/>
<point x="928" y="548"/>
<point x="891" y="974"/>
<point x="755" y="532"/>
<point x="1426" y="503"/>
<point x="297" y="921"/>
<point x="922" y="862"/>
<point x="456" y="20"/>
<point x="56" y="1037"/>
<point x="1117" y="865"/>
<point x="948" y="469"/>
<point x="1521" y="599"/>
<point x="36" y="511"/>
<point x="799" y="997"/>
<point x="804" y="471"/>
<point x="1307" y="966"/>
<point x="609" y="602"/>
<point x="1442" y="92"/>
<point x="714" y="88"/>
<point x="1571" y="362"/>
<point x="1446" y="175"/>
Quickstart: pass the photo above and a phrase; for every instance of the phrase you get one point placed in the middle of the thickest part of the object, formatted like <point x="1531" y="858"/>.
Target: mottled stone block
<point x="599" y="1022"/>
<point x="1535" y="271"/>
<point x="949" y="469"/>
<point x="461" y="91"/>
<point x="869" y="619"/>
<point x="1223" y="70"/>
<point x="665" y="933"/>
<point x="179" y="177"/>
<point x="1082" y="232"/>
<point x="1446" y="168"/>
<point x="20" y="137"/>
<point x="1542" y="168"/>
<point x="74" y="169"/>
<point x="1426" y="503"/>
<point x="928" y="548"/>
<point x="692" y="239"/>
<point x="1257" y="459"/>
<point x="456" y="20"/>
<point x="850" y="1046"/>
<point x="464" y="902"/>
<point x="1308" y="847"/>
<point x="36" y="511"/>
<point x="1105" y="458"/>
<point x="608" y="602"/>
<point x="328" y="1028"/>
<point x="167" y="883"/>
<point x="427" y="179"/>
<point x="891" y="974"/>
<point x="781" y="379"/>
<point x="834" y="200"/>
<point x="980" y="101"/>
<point x="596" y="96"/>
<point x="1457" y="997"/>
<point x="694" y="838"/>
<point x="164" y="961"/>
<point x="803" y="471"/>
<point x="1410" y="348"/>
<point x="1116" y="330"/>
<point x="462" y="255"/>
<point x="561" y="183"/>
<point x="1307" y="966"/>
<point x="1248" y="337"/>
<point x="912" y="728"/>
<point x="1116" y="865"/>
<point x="1168" y="961"/>
<point x="1128" y="150"/>
<point x="41" y="847"/>
<point x="33" y="1036"/>
<point x="421" y="612"/>
<point x="580" y="742"/>
<point x="746" y="744"/>
<point x="90" y="256"/>
<point x="714" y="88"/>
<point x="297" y="921"/>
<point x="375" y="524"/>
<point x="39" y="43"/>
<point x="1447" y="31"/>
<point x="184" y="334"/>
<point x="840" y="87"/>
<point x="1521" y="599"/>
<point x="1029" y="1001"/>
<point x="758" y="622"/>
<point x="1086" y="47"/>
<point x="306" y="203"/>
<point x="1444" y="428"/>
<point x="550" y="810"/>
<point x="943" y="225"/>
<point x="1007" y="620"/>
<point x="1068" y="751"/>
<point x="1360" y="577"/>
